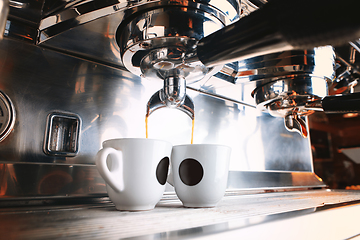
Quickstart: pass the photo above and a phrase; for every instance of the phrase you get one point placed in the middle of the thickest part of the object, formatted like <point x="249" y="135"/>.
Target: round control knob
<point x="7" y="116"/>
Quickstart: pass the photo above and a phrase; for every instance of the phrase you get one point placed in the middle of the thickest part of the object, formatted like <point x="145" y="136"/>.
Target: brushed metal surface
<point x="112" y="103"/>
<point x="169" y="220"/>
<point x="7" y="116"/>
<point x="49" y="181"/>
<point x="31" y="181"/>
<point x="4" y="11"/>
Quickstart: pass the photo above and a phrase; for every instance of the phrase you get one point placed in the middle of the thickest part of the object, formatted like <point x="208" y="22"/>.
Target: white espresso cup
<point x="135" y="171"/>
<point x="199" y="173"/>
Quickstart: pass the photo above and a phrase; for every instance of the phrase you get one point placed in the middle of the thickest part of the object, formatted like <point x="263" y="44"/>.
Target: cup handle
<point x="117" y="183"/>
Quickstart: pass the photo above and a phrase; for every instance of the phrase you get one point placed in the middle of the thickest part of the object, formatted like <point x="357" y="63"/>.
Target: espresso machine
<point x="248" y="74"/>
<point x="245" y="73"/>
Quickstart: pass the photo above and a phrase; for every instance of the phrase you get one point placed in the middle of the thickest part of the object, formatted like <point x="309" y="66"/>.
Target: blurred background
<point x="335" y="138"/>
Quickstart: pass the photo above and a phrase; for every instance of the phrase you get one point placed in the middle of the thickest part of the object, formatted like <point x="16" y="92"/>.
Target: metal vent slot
<point x="62" y="136"/>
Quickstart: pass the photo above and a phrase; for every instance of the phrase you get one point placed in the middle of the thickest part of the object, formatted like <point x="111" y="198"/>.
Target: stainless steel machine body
<point x="65" y="107"/>
<point x="65" y="89"/>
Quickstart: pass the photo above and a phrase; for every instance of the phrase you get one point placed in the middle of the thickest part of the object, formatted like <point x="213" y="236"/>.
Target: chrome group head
<point x="160" y="44"/>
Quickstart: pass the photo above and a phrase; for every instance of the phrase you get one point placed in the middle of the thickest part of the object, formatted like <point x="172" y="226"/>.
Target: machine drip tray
<point x="292" y="215"/>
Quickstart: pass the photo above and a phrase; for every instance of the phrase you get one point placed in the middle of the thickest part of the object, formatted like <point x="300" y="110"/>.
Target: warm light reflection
<point x="350" y="115"/>
<point x="94" y="119"/>
<point x="3" y="182"/>
<point x="81" y="78"/>
<point x="353" y="187"/>
<point x="319" y="178"/>
<point x="246" y="73"/>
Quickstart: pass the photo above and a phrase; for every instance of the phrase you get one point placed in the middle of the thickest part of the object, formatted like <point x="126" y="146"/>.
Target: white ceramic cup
<point x="135" y="171"/>
<point x="199" y="173"/>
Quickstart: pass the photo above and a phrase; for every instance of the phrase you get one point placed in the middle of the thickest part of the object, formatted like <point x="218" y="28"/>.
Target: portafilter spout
<point x="294" y="123"/>
<point x="173" y="95"/>
<point x="292" y="99"/>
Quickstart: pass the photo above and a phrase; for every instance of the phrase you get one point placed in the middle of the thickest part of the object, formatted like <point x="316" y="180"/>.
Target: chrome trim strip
<point x="85" y="12"/>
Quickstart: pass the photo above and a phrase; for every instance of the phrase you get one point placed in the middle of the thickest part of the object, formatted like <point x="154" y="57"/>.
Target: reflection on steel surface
<point x="28" y="180"/>
<point x="249" y="180"/>
<point x="81" y="12"/>
<point x="4" y="10"/>
<point x="158" y="41"/>
<point x="231" y="218"/>
<point x="71" y="16"/>
<point x="89" y="81"/>
<point x="66" y="21"/>
<point x="111" y="103"/>
<point x="291" y="84"/>
<point x="157" y="45"/>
